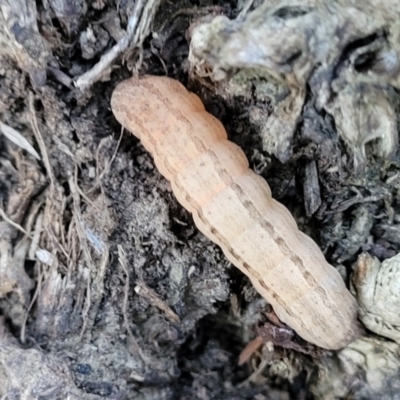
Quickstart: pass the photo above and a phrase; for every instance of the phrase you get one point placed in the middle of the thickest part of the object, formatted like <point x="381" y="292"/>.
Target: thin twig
<point x="100" y="175"/>
<point x="137" y="30"/>
<point x="252" y="378"/>
<point x="14" y="224"/>
<point x="39" y="139"/>
<point x="15" y="137"/>
<point x="108" y="165"/>
<point x="80" y="231"/>
<point x="60" y="76"/>
<point x="32" y="302"/>
<point x="143" y="290"/>
<point x="124" y="264"/>
<point x="245" y="9"/>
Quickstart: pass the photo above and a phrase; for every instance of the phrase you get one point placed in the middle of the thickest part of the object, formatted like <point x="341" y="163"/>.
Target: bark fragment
<point x="335" y="50"/>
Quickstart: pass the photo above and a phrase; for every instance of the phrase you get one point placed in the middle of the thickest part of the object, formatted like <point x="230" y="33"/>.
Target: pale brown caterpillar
<point x="232" y="205"/>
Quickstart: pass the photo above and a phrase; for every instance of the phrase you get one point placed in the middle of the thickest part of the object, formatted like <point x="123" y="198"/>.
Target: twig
<point x="50" y="198"/>
<point x="358" y="199"/>
<point x="39" y="139"/>
<point x="37" y="232"/>
<point x="60" y="76"/>
<point x="100" y="175"/>
<point x="245" y="9"/>
<point x="138" y="28"/>
<point x="263" y="364"/>
<point x="124" y="264"/>
<point x="15" y="137"/>
<point x="108" y="165"/>
<point x="95" y="286"/>
<point x="32" y="302"/>
<point x="143" y="290"/>
<point x="14" y="224"/>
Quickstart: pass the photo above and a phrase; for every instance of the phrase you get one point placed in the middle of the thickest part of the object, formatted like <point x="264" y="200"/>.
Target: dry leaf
<point x="15" y="137"/>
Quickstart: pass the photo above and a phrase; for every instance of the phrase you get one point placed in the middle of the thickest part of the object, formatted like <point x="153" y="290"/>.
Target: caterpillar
<point x="232" y="206"/>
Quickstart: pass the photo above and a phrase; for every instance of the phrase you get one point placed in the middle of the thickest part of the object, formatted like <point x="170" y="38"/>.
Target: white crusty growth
<point x="377" y="288"/>
<point x="232" y="205"/>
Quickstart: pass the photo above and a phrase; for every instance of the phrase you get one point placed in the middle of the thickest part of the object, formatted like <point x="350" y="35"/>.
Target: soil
<point x="108" y="290"/>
